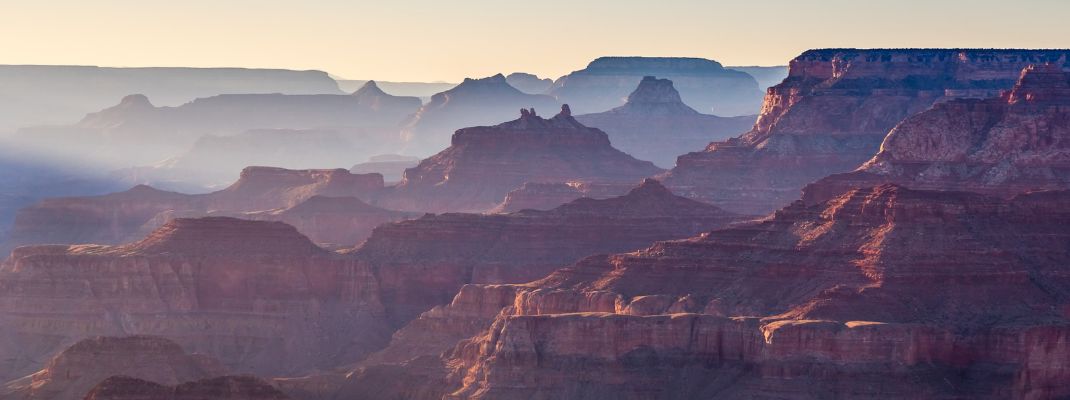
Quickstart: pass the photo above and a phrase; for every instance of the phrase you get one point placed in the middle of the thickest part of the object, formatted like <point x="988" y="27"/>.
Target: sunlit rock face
<point x="257" y="295"/>
<point x="72" y="372"/>
<point x="126" y="216"/>
<point x="843" y="299"/>
<point x="1003" y="145"/>
<point x="704" y="84"/>
<point x="655" y="124"/>
<point x="484" y="163"/>
<point x="474" y="102"/>
<point x="831" y="114"/>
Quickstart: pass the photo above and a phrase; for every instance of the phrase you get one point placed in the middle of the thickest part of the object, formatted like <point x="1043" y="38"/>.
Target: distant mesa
<point x="656" y="125"/>
<point x="529" y="83"/>
<point x="704" y="84"/>
<point x="42" y="94"/>
<point x="484" y="163"/>
<point x="766" y="76"/>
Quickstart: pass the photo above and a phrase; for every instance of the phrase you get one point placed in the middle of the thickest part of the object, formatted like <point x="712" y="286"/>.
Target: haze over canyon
<point x="635" y="212"/>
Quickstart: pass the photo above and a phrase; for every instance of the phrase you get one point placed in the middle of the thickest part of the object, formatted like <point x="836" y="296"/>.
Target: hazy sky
<point x="448" y="40"/>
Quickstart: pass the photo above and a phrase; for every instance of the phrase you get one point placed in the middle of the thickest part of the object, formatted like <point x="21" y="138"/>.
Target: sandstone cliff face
<point x="1005" y="145"/>
<point x="831" y="114"/>
<point x="475" y="102"/>
<point x="704" y="84"/>
<point x="256" y="295"/>
<point x="847" y="299"/>
<point x="224" y="387"/>
<point x="71" y="373"/>
<point x="126" y="216"/>
<point x="484" y="163"/>
<point x="656" y="125"/>
<point x="391" y="166"/>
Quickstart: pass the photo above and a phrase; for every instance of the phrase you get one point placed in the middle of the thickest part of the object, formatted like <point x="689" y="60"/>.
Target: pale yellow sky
<point x="424" y="40"/>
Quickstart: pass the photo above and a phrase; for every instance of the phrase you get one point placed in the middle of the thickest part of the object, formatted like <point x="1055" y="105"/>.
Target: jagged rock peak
<point x="1041" y="83"/>
<point x="370" y="88"/>
<point x="652" y="90"/>
<point x="223" y="235"/>
<point x="650" y="186"/>
<point x="495" y="79"/>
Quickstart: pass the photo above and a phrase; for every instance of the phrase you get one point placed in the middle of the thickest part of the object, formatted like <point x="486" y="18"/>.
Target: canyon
<point x="846" y="299"/>
<point x="831" y="114"/>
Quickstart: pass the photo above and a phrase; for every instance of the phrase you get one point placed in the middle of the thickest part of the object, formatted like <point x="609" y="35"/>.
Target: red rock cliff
<point x="831" y="114"/>
<point x="845" y="299"/>
<point x="1004" y="145"/>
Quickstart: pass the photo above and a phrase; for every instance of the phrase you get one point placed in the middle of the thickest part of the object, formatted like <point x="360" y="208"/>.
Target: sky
<point x="443" y="40"/>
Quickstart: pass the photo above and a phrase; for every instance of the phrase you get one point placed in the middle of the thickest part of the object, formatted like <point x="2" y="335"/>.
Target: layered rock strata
<point x="831" y="114"/>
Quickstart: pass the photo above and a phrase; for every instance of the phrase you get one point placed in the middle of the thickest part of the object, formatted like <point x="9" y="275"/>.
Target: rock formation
<point x="538" y="196"/>
<point x="371" y="96"/>
<point x="224" y="387"/>
<point x="703" y="84"/>
<point x="1002" y="146"/>
<point x="656" y="125"/>
<point x="123" y="216"/>
<point x="513" y="248"/>
<point x="257" y="295"/>
<point x="831" y="114"/>
<point x="484" y="163"/>
<point x="421" y="90"/>
<point x="845" y="299"/>
<point x="79" y="367"/>
<point x="529" y="83"/>
<point x="475" y="102"/>
<point x="262" y="298"/>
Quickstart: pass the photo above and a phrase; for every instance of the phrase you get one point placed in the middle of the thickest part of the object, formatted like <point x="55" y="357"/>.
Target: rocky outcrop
<point x="1017" y="142"/>
<point x="831" y="114"/>
<point x="125" y="216"/>
<point x="371" y="96"/>
<point x="257" y="295"/>
<point x="72" y="372"/>
<point x="529" y="83"/>
<point x="224" y="387"/>
<point x="538" y="196"/>
<point x="333" y="222"/>
<point x="703" y="84"/>
<point x="656" y="125"/>
<point x="484" y="163"/>
<point x="475" y="102"/>
<point x="845" y="299"/>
